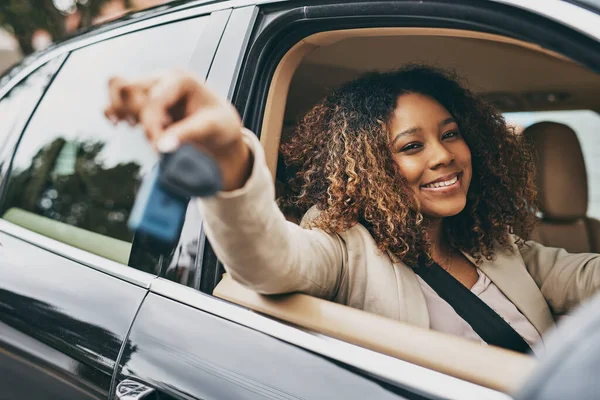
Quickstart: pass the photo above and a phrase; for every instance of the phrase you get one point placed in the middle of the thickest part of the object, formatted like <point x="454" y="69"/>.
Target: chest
<point x="461" y="269"/>
<point x="376" y="282"/>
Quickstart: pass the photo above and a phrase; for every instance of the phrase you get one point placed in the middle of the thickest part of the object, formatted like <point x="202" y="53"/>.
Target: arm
<point x="247" y="231"/>
<point x="565" y="279"/>
<point x="263" y="251"/>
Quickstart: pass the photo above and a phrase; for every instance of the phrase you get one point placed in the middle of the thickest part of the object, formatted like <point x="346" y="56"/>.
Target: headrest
<point x="561" y="177"/>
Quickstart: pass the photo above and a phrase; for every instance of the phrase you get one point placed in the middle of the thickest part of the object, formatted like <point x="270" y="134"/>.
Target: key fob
<point x="161" y="202"/>
<point x="190" y="172"/>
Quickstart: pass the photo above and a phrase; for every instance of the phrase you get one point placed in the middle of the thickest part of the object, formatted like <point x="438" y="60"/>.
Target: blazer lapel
<point x="509" y="274"/>
<point x="415" y="307"/>
<point x="411" y="300"/>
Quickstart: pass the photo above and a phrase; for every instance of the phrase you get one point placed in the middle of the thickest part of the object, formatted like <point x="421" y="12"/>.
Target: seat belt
<point x="491" y="327"/>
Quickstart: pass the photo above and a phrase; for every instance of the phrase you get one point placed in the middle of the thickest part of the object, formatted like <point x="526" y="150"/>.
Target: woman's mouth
<point x="445" y="186"/>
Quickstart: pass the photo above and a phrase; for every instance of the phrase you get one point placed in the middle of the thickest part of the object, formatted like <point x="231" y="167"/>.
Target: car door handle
<point x="133" y="390"/>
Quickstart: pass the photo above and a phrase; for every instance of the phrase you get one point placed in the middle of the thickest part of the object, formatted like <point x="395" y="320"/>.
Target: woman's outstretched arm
<point x="257" y="245"/>
<point x="260" y="248"/>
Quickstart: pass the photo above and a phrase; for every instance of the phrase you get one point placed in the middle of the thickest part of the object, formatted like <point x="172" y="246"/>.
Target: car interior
<point x="518" y="78"/>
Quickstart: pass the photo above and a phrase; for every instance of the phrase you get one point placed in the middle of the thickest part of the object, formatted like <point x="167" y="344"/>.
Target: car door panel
<point x="183" y="353"/>
<point x="62" y="324"/>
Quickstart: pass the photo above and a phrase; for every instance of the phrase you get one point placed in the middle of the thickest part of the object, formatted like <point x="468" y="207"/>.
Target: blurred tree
<point x="67" y="182"/>
<point x="23" y="18"/>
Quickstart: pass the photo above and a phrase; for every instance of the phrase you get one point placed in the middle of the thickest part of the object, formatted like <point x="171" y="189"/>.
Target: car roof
<point x="177" y="5"/>
<point x="172" y="6"/>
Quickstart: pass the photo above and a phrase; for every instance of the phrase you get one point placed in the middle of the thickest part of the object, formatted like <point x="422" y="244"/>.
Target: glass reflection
<point x="92" y="348"/>
<point x="67" y="182"/>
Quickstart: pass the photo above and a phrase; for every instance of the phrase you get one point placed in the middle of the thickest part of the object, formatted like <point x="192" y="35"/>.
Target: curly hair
<point x="339" y="159"/>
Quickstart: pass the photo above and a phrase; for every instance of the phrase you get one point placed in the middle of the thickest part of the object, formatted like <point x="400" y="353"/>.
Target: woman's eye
<point x="410" y="147"/>
<point x="451" y="134"/>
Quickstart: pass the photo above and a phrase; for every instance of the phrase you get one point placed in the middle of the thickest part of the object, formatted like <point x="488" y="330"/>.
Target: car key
<point x="161" y="202"/>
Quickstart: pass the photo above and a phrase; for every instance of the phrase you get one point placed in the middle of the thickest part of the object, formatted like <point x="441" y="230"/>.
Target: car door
<point x="189" y="344"/>
<point x="71" y="271"/>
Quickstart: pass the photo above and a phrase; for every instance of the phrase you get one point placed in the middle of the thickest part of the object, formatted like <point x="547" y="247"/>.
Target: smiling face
<point x="432" y="155"/>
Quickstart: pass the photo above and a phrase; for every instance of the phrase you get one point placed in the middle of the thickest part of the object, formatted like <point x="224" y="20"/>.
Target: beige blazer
<point x="265" y="252"/>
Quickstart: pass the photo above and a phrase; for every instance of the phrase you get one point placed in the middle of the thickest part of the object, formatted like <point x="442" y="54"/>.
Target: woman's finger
<point x="109" y="113"/>
<point x="197" y="126"/>
<point x="128" y="97"/>
<point x="169" y="99"/>
<point x="116" y="107"/>
<point x="202" y="128"/>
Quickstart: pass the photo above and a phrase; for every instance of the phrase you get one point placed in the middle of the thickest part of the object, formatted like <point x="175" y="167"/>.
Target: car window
<point x="586" y="124"/>
<point x="75" y="175"/>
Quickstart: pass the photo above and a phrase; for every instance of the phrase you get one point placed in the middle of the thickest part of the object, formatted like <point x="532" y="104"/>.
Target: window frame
<point x="218" y="16"/>
<point x="546" y="25"/>
<point x="22" y="118"/>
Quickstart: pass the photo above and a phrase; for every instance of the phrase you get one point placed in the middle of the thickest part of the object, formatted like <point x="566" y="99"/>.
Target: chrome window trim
<point x="101" y="264"/>
<point x="404" y="374"/>
<point x="229" y="3"/>
<point x="572" y="15"/>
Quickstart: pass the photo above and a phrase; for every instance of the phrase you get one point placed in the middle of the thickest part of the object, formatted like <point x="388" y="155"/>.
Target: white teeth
<point x="442" y="184"/>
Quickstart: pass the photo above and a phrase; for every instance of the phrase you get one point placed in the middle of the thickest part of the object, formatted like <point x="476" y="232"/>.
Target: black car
<point x="91" y="310"/>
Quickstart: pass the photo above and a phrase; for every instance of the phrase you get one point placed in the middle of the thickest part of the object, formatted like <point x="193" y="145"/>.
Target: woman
<point x="395" y="170"/>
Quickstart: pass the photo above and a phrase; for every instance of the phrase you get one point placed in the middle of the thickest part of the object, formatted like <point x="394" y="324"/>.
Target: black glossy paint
<point x="187" y="353"/>
<point x="184" y="265"/>
<point x="62" y="324"/>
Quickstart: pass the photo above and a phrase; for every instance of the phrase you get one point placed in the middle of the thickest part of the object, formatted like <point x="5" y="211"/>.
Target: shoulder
<point x="310" y="216"/>
<point x="514" y="246"/>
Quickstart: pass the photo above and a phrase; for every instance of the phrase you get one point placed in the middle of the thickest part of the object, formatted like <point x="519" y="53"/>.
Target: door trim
<point x="115" y="269"/>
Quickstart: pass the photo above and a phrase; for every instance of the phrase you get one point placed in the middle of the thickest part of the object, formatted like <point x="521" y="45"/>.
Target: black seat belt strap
<point x="491" y="327"/>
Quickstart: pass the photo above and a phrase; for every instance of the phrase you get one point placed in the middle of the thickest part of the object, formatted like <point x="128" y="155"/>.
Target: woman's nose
<point x="440" y="156"/>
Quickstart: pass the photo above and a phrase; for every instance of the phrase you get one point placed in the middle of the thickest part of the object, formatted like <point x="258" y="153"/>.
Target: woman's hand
<point x="174" y="108"/>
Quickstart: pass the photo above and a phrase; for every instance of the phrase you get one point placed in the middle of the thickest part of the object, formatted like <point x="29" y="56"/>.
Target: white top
<point x="443" y="318"/>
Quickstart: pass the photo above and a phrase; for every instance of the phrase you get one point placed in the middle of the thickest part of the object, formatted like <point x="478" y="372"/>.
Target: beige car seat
<point x="562" y="190"/>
